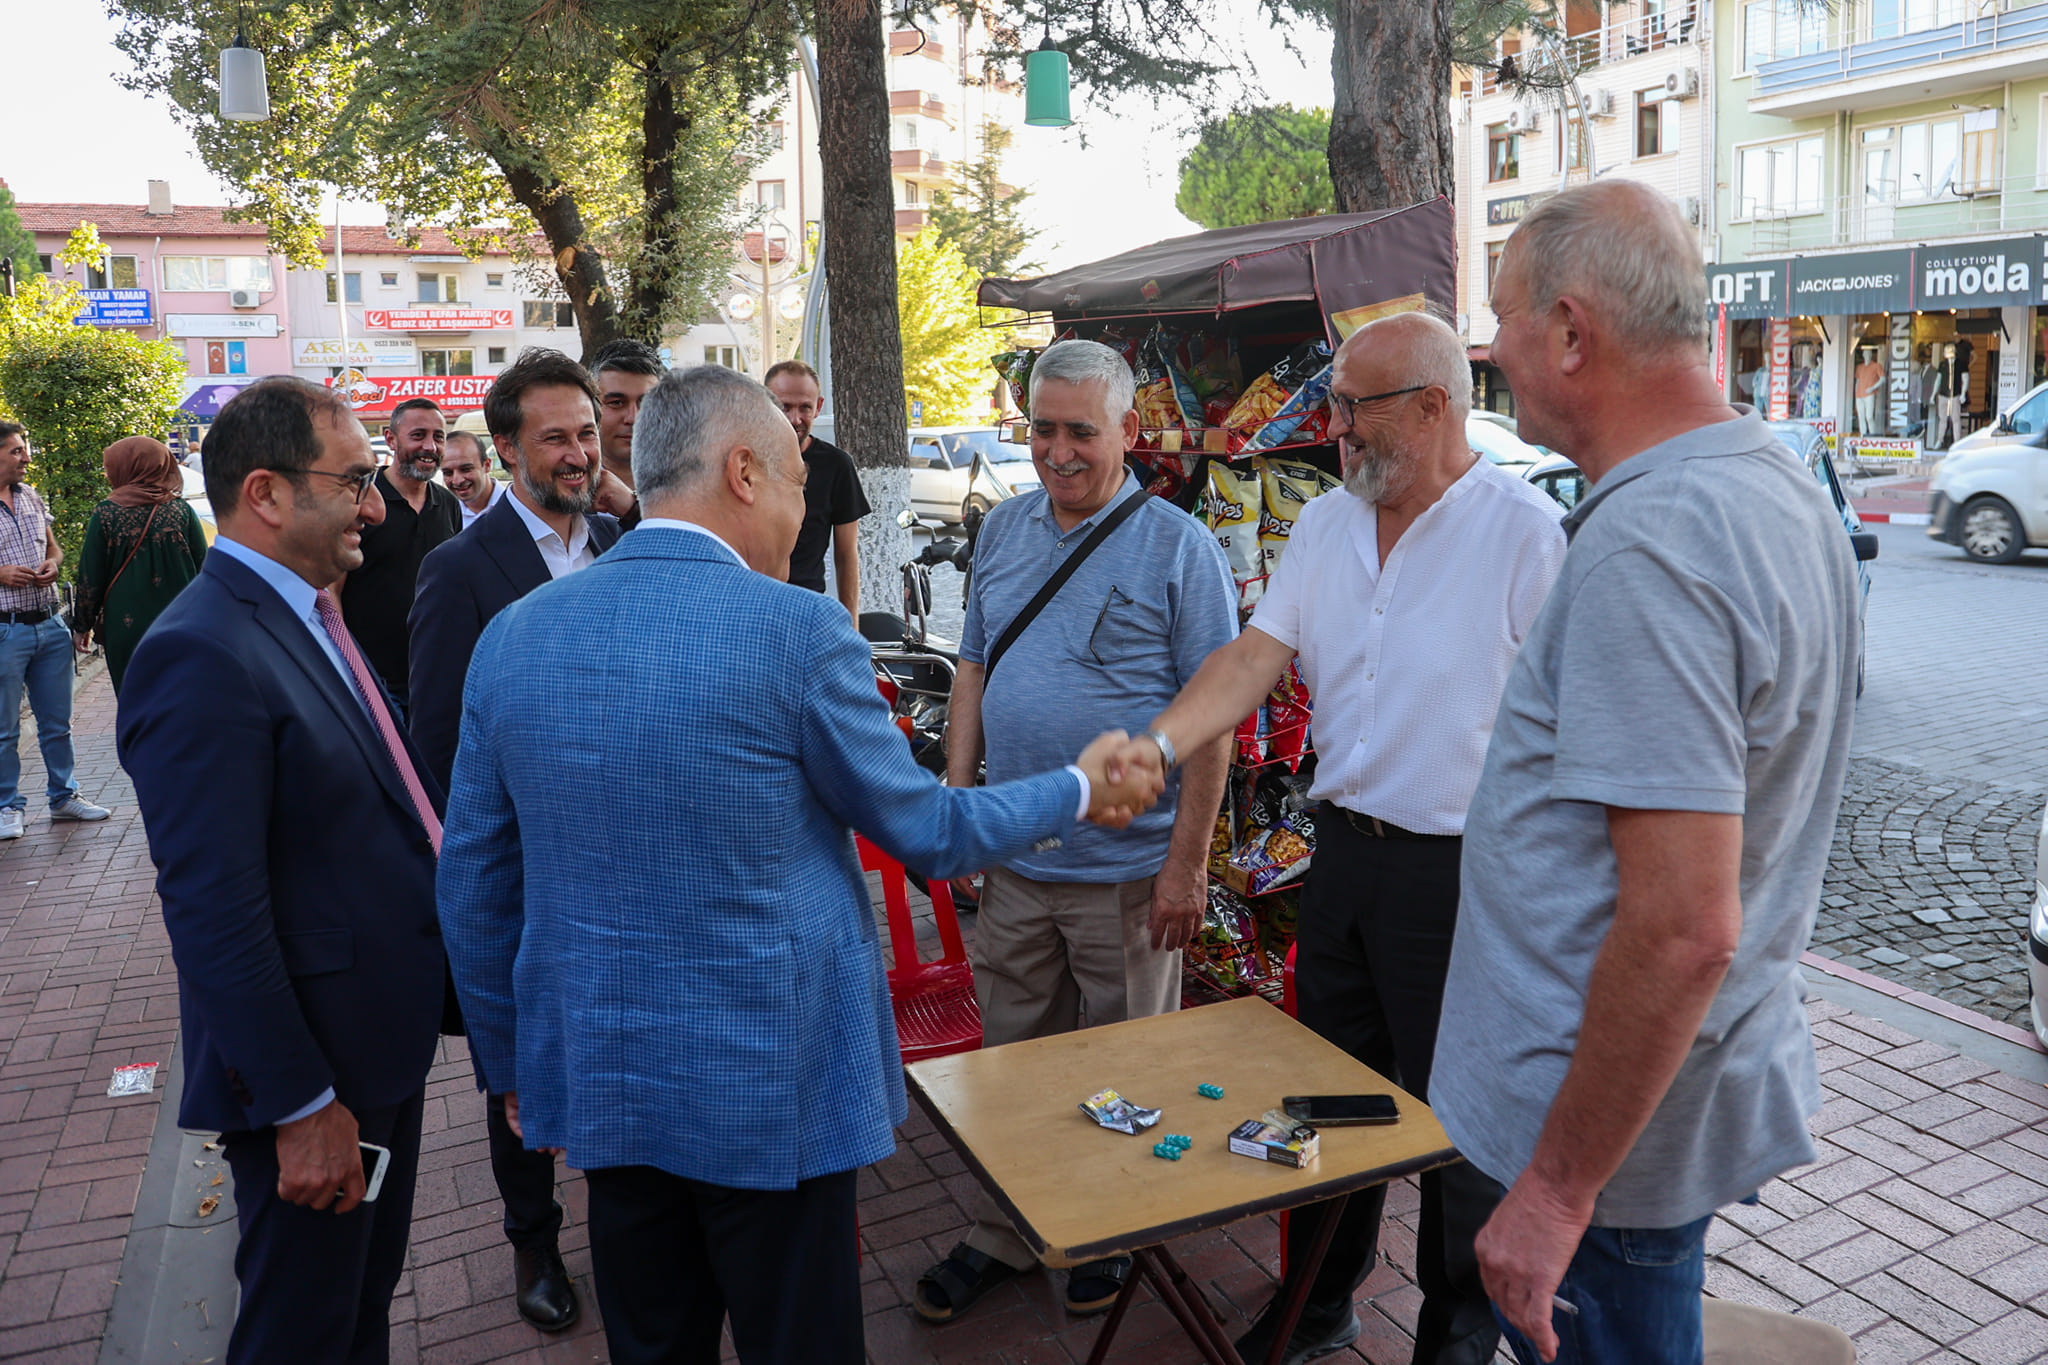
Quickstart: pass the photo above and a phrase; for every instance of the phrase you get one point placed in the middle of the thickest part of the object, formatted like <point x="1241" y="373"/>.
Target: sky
<point x="1102" y="186"/>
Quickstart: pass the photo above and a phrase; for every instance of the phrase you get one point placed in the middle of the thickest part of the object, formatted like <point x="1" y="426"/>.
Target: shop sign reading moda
<point x="2009" y="273"/>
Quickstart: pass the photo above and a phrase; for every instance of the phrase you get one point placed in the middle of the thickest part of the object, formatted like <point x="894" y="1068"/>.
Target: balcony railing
<point x="1619" y="41"/>
<point x="1977" y="36"/>
<point x="2018" y="204"/>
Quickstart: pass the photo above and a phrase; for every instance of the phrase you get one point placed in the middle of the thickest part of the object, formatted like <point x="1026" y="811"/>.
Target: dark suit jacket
<point x="463" y="584"/>
<point x="296" y="878"/>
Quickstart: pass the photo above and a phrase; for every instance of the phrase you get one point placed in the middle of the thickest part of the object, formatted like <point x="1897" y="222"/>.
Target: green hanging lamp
<point x="1045" y="87"/>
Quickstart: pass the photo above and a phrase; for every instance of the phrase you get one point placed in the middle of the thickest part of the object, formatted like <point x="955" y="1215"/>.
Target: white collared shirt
<point x="678" y="524"/>
<point x="498" y="490"/>
<point x="1405" y="664"/>
<point x="562" y="560"/>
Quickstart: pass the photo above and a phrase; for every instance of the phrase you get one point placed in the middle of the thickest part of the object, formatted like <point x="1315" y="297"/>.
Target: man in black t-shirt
<point x="833" y="500"/>
<point x="418" y="515"/>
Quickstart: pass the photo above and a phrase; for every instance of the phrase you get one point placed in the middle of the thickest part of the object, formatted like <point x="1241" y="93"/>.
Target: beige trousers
<point x="1052" y="957"/>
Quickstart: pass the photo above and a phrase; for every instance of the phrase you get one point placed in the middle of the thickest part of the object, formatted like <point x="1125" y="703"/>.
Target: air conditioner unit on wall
<point x="1600" y="103"/>
<point x="244" y="298"/>
<point x="1524" y="119"/>
<point x="1681" y="84"/>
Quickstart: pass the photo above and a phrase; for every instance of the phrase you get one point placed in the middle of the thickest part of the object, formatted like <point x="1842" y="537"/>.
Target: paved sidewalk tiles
<point x="1922" y="1230"/>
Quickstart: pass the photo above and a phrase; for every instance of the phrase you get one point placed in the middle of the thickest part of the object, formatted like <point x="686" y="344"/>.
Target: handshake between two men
<point x="1125" y="777"/>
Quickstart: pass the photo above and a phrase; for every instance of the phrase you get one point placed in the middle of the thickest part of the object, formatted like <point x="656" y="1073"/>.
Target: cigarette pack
<point x="1295" y="1145"/>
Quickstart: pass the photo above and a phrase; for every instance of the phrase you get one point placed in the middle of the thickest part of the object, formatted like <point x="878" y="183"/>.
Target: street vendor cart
<point x="1230" y="335"/>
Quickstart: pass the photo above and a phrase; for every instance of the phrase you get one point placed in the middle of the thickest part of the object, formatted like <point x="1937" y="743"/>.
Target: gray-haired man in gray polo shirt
<point x="1623" y="1044"/>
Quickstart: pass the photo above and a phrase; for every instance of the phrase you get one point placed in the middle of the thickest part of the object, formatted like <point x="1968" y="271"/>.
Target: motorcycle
<point x="915" y="667"/>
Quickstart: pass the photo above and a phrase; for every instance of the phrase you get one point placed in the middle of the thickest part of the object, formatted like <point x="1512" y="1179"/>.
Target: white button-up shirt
<point x="1405" y="664"/>
<point x="562" y="560"/>
<point x="498" y="490"/>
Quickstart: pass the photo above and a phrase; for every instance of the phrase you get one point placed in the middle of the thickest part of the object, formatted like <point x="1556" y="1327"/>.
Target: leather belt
<point x="23" y="618"/>
<point x="1372" y="827"/>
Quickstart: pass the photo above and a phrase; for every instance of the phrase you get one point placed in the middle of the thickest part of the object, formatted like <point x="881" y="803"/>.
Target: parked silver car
<point x="957" y="469"/>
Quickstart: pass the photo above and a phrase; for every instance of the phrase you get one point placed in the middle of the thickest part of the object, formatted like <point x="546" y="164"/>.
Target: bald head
<point x="1620" y="248"/>
<point x="1410" y="350"/>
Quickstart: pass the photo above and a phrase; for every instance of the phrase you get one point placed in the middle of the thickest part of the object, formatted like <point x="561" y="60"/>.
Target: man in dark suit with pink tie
<point x="295" y="833"/>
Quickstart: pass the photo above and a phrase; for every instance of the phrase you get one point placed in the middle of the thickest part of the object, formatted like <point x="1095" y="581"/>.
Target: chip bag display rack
<point x="1229" y="335"/>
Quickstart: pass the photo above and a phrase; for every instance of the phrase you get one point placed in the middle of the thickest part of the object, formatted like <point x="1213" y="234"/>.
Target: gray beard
<point x="1375" y="475"/>
<point x="548" y="500"/>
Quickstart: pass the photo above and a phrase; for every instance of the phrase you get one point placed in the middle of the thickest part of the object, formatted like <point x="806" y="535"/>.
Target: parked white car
<point x="953" y="469"/>
<point x="957" y="469"/>
<point x="1989" y="496"/>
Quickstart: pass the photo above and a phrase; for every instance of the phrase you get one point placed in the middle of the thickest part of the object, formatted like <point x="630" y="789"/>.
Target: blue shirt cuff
<point x="326" y="1098"/>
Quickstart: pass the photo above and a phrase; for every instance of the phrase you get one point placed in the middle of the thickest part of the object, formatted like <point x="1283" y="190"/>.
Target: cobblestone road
<point x="1933" y="865"/>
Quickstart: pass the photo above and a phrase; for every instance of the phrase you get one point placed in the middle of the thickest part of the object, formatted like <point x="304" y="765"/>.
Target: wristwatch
<point x="1165" y="748"/>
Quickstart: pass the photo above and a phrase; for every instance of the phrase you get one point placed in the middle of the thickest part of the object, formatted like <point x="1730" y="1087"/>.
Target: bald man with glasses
<point x="1405" y="597"/>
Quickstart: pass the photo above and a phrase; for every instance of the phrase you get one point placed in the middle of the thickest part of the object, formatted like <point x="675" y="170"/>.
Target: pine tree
<point x="986" y="220"/>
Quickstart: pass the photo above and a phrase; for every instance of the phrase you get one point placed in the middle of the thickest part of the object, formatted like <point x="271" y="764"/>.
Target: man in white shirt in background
<point x="466" y="469"/>
<point x="1406" y="597"/>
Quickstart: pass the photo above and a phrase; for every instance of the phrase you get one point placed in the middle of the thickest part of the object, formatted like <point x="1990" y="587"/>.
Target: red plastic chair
<point x="936" y="1013"/>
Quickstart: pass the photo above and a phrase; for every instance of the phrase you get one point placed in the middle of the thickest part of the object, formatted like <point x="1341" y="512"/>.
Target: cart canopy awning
<point x="1363" y="256"/>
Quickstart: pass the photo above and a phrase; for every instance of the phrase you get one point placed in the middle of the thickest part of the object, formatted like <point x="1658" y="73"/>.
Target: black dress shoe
<point x="1320" y="1331"/>
<point x="543" y="1292"/>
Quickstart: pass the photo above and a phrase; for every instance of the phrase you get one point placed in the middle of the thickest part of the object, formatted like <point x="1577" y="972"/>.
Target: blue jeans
<point x="1638" y="1295"/>
<point x="37" y="657"/>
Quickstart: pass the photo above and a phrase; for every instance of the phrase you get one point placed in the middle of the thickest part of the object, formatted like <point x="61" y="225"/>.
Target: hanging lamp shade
<point x="1045" y="87"/>
<point x="244" y="86"/>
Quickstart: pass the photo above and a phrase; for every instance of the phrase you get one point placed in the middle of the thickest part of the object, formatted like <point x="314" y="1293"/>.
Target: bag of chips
<point x="1285" y="488"/>
<point x="1234" y="505"/>
<point x="1287" y="715"/>
<point x="1277" y="389"/>
<point x="1015" y="368"/>
<point x="1300" y="406"/>
<point x="1277" y="855"/>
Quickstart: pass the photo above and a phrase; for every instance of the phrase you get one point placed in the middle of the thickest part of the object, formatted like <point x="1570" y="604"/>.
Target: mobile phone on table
<point x="376" y="1160"/>
<point x="1339" y="1111"/>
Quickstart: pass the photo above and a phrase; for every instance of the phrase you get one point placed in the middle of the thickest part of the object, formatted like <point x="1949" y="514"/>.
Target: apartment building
<point x="181" y="272"/>
<point x="1881" y="196"/>
<point x="944" y="88"/>
<point x="1626" y="92"/>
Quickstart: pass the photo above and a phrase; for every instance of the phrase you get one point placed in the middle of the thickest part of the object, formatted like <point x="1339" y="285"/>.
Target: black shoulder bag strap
<point x="1059" y="579"/>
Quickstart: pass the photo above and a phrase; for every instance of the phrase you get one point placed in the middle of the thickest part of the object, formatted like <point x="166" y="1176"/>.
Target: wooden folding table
<point x="1077" y="1192"/>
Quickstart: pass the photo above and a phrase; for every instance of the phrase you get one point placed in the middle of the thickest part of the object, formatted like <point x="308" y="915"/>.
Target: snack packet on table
<point x="1118" y="1114"/>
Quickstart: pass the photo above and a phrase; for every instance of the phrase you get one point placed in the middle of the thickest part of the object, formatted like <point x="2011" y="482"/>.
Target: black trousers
<point x="526" y="1182"/>
<point x="1374" y="943"/>
<point x="673" y="1258"/>
<point x="317" y="1285"/>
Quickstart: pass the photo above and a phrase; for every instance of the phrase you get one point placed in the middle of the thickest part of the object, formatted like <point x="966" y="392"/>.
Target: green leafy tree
<point x="79" y="389"/>
<point x="619" y="129"/>
<point x="945" y="352"/>
<point x="17" y="243"/>
<point x="986" y="219"/>
<point x="1258" y="166"/>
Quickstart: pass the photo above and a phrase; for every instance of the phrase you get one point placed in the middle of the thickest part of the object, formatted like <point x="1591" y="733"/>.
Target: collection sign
<point x="2007" y="273"/>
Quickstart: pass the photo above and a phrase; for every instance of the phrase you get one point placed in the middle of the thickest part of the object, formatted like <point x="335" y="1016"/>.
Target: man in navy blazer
<point x="293" y="831"/>
<point x="543" y="411"/>
<point x="709" y="1037"/>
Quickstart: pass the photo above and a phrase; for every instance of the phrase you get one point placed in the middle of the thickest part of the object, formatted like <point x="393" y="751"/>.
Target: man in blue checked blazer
<point x="686" y="995"/>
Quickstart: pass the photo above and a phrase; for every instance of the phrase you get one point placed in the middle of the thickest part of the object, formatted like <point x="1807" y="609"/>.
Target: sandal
<point x="957" y="1283"/>
<point x="1093" y="1286"/>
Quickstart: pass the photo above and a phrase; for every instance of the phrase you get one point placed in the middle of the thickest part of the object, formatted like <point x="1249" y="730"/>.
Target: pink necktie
<point x="373" y="697"/>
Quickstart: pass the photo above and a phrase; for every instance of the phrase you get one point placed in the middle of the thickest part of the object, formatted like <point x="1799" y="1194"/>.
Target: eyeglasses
<point x="1349" y="410"/>
<point x="362" y="482"/>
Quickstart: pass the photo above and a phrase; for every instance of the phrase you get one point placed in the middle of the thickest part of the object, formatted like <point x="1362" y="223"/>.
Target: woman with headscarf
<point x="142" y="546"/>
